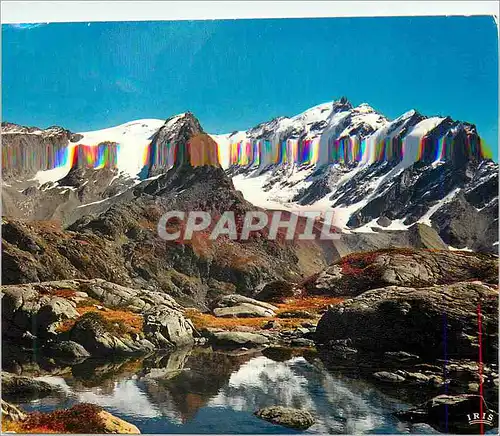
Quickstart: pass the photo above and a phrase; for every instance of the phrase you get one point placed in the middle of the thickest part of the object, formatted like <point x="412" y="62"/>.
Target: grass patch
<point x="314" y="305"/>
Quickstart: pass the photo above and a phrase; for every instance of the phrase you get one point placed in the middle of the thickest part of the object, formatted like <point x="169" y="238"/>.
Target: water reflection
<point x="201" y="391"/>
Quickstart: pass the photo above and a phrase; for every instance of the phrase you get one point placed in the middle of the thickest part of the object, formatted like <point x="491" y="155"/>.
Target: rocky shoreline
<point x="407" y="320"/>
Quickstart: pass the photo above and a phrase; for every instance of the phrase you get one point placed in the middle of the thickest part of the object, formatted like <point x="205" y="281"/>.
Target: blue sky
<point x="234" y="74"/>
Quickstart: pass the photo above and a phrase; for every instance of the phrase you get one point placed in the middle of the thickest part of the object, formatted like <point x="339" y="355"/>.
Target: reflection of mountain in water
<point x="343" y="406"/>
<point x="199" y="391"/>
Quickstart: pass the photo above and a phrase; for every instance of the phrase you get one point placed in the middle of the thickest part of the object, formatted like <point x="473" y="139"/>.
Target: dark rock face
<point x="457" y="414"/>
<point x="277" y="292"/>
<point x="411" y="319"/>
<point x="414" y="191"/>
<point x="359" y="272"/>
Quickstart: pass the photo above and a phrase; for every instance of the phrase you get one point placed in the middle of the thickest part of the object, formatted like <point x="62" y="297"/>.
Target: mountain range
<point x="375" y="173"/>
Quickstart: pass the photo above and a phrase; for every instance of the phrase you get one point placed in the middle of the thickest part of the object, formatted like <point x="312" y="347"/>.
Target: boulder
<point x="82" y="418"/>
<point x="277" y="292"/>
<point x="296" y="314"/>
<point x="29" y="308"/>
<point x="238" y="339"/>
<point x="101" y="337"/>
<point x="134" y="300"/>
<point x="244" y="310"/>
<point x="389" y="377"/>
<point x="66" y="349"/>
<point x="400" y="356"/>
<point x="236" y="300"/>
<point x="358" y="272"/>
<point x="20" y="386"/>
<point x="239" y="306"/>
<point x="35" y="311"/>
<point x="408" y="319"/>
<point x="167" y="328"/>
<point x="12" y="413"/>
<point x="287" y="417"/>
<point x="423" y="236"/>
<point x="459" y="414"/>
<point x="114" y="425"/>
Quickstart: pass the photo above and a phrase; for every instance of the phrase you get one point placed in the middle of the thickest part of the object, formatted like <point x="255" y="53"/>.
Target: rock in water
<point x="238" y="339"/>
<point x="453" y="414"/>
<point x="66" y="349"/>
<point x="410" y="319"/>
<point x="20" y="386"/>
<point x="113" y="424"/>
<point x="287" y="417"/>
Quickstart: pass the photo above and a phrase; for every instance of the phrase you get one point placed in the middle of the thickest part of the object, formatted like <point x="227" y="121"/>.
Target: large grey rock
<point x="36" y="310"/>
<point x="100" y="337"/>
<point x="423" y="236"/>
<point x="167" y="327"/>
<point x="287" y="416"/>
<point x="135" y="300"/>
<point x="236" y="300"/>
<point x="31" y="308"/>
<point x="243" y="310"/>
<point x="238" y="339"/>
<point x="384" y="221"/>
<point x="388" y="377"/>
<point x="409" y="319"/>
<point x="359" y="272"/>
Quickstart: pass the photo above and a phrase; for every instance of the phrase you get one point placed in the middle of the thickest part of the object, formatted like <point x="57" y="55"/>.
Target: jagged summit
<point x="180" y="141"/>
<point x="353" y="159"/>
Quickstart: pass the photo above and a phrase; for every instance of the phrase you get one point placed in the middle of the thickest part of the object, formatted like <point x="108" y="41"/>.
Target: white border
<point x="78" y="11"/>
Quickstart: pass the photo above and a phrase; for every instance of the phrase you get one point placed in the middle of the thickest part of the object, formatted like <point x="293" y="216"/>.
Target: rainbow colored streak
<point x="14" y="157"/>
<point x="104" y="155"/>
<point x="202" y="150"/>
<point x="351" y="149"/>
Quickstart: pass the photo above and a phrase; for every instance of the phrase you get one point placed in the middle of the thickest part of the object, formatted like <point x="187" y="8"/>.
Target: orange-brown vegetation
<point x="121" y="321"/>
<point x="64" y="293"/>
<point x="355" y="263"/>
<point x="82" y="418"/>
<point x="313" y="305"/>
